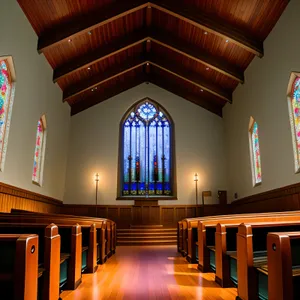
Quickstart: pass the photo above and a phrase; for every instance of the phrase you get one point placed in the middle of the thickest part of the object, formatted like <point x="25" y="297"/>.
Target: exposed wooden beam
<point x="191" y="77"/>
<point x="184" y="93"/>
<point x="95" y="81"/>
<point x="199" y="55"/>
<point x="209" y="23"/>
<point x="100" y="54"/>
<point x="161" y="63"/>
<point x="156" y="36"/>
<point x="86" y="23"/>
<point x="97" y="98"/>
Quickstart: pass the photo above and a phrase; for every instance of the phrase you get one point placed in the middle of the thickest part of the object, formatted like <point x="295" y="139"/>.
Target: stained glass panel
<point x="295" y="107"/>
<point x="38" y="152"/>
<point x="5" y="107"/>
<point x="146" y="149"/>
<point x="256" y="153"/>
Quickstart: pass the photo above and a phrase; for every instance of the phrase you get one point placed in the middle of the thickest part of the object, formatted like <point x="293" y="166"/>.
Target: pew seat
<point x="19" y="268"/>
<point x="84" y="258"/>
<point x="212" y="258"/>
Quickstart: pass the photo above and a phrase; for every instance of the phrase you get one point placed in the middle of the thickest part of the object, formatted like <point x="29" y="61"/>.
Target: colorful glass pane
<point x="38" y="152"/>
<point x="5" y="92"/>
<point x="147" y="111"/>
<point x="295" y="103"/>
<point x="256" y="154"/>
<point x="146" y="150"/>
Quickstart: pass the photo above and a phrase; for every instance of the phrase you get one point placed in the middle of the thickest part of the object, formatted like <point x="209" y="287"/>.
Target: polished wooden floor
<point x="148" y="272"/>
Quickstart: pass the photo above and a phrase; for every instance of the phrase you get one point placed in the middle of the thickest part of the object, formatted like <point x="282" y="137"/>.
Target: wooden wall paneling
<point x="13" y="197"/>
<point x="112" y="213"/>
<point x="167" y="215"/>
<point x="180" y="213"/>
<point x="191" y="212"/>
<point x="137" y="214"/>
<point x="154" y="215"/>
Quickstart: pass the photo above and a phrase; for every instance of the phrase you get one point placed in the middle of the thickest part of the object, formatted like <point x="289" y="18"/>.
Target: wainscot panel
<point x="14" y="197"/>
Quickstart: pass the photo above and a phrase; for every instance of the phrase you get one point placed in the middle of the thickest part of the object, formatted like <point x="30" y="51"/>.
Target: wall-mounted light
<point x="196" y="188"/>
<point x="196" y="177"/>
<point x="97" y="182"/>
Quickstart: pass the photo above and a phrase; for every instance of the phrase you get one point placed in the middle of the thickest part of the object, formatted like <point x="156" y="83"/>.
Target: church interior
<point x="149" y="149"/>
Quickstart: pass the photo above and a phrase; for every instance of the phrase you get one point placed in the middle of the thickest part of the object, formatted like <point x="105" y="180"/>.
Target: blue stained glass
<point x="160" y="153"/>
<point x="142" y="152"/>
<point x="147" y="157"/>
<point x="126" y="151"/>
<point x="147" y="111"/>
<point x="133" y="150"/>
<point x="167" y="151"/>
<point x="152" y="154"/>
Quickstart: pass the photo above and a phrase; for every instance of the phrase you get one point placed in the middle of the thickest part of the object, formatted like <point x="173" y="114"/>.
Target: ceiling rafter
<point x="181" y="92"/>
<point x="158" y="37"/>
<point x="109" y="93"/>
<point x="160" y="63"/>
<point x="101" y="78"/>
<point x="100" y="54"/>
<point x="63" y="32"/>
<point x="191" y="77"/>
<point x="210" y="24"/>
<point x="86" y="23"/>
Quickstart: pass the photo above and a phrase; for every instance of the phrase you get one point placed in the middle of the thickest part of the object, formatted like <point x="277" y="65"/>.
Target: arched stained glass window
<point x="6" y="102"/>
<point x="254" y="152"/>
<point x="294" y="107"/>
<point x="147" y="151"/>
<point x="39" y="152"/>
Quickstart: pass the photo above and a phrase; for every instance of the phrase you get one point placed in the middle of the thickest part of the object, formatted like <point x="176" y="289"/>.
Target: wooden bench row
<point x="63" y="251"/>
<point x="237" y="252"/>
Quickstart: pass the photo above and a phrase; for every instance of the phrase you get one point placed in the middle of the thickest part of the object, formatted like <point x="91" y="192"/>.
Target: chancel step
<point x="146" y="226"/>
<point x="147" y="235"/>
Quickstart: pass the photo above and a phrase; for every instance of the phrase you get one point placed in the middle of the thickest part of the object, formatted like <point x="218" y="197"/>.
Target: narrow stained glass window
<point x="294" y="107"/>
<point x="255" y="152"/>
<point x="39" y="152"/>
<point x="147" y="152"/>
<point x="6" y="102"/>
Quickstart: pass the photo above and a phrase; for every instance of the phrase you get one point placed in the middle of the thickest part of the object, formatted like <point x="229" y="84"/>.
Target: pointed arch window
<point x="294" y="109"/>
<point x="147" y="152"/>
<point x="7" y="87"/>
<point x="39" y="152"/>
<point x="254" y="152"/>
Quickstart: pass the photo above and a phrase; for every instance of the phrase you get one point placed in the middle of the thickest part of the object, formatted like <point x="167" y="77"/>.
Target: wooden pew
<point x="252" y="256"/>
<point x="19" y="266"/>
<point x="106" y="239"/>
<point x="283" y="268"/>
<point x="95" y="244"/>
<point x="190" y="235"/>
<point x="48" y="255"/>
<point x="70" y="254"/>
<point x="207" y="229"/>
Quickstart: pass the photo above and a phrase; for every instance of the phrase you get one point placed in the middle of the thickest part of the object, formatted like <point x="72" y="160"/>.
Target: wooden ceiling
<point x="197" y="49"/>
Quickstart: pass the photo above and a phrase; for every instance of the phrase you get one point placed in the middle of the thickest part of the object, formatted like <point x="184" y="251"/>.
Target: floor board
<point x="148" y="272"/>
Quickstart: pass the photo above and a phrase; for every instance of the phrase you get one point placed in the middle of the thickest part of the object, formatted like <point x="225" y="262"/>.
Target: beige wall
<point x="264" y="97"/>
<point x="94" y="147"/>
<point x="35" y="95"/>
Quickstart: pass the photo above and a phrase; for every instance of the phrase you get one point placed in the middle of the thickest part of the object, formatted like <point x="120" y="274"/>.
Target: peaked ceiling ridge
<point x="194" y="78"/>
<point x="160" y="82"/>
<point x="198" y="19"/>
<point x="153" y="35"/>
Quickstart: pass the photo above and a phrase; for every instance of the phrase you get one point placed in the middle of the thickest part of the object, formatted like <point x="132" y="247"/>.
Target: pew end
<point x="19" y="269"/>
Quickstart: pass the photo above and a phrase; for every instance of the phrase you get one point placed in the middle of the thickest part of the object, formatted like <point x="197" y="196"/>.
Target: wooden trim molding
<point x="280" y="199"/>
<point x="14" y="197"/>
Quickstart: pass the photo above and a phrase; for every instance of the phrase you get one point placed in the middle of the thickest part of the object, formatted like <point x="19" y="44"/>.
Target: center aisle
<point x="148" y="272"/>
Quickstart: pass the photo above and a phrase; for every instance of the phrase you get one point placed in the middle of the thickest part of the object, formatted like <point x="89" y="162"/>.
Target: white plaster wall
<point x="94" y="146"/>
<point x="35" y="95"/>
<point x="264" y="96"/>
